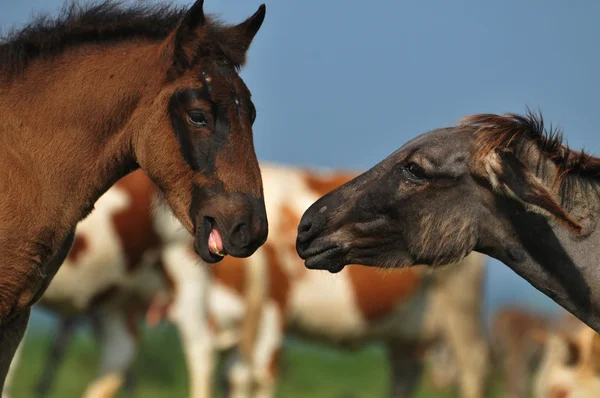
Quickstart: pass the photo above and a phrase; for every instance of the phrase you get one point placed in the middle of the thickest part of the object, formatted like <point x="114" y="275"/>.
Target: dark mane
<point x="102" y="21"/>
<point x="517" y="132"/>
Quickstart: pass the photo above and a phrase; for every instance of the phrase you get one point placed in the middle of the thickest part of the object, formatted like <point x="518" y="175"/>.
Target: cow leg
<point x="119" y="346"/>
<point x="57" y="351"/>
<point x="11" y="334"/>
<point x="196" y="340"/>
<point x="259" y="379"/>
<point x="470" y="347"/>
<point x="189" y="313"/>
<point x="96" y="325"/>
<point x="406" y="369"/>
<point x="239" y="376"/>
<point x="267" y="349"/>
<point x="443" y="371"/>
<point x="515" y="370"/>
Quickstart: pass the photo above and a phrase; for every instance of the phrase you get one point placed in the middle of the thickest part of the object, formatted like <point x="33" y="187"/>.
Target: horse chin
<point x="330" y="258"/>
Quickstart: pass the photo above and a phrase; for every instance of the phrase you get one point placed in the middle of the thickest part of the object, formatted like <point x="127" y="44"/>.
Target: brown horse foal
<point x="500" y="185"/>
<point x="105" y="89"/>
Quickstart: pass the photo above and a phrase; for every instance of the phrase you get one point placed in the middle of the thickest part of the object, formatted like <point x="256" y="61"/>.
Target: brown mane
<point x="517" y="132"/>
<point x="103" y="21"/>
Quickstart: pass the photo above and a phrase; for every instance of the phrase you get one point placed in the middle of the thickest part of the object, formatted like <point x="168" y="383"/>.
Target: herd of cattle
<point x="131" y="262"/>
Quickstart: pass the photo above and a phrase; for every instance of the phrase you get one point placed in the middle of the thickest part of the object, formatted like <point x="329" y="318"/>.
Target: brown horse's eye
<point x="197" y="118"/>
<point x="416" y="170"/>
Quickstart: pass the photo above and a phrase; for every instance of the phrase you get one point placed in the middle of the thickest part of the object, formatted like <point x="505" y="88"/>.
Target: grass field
<point x="310" y="370"/>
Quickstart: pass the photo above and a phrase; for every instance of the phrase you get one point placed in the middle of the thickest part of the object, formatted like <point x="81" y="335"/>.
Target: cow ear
<point x="510" y="176"/>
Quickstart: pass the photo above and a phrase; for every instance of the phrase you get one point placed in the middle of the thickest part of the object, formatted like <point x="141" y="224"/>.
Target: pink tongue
<point x="215" y="241"/>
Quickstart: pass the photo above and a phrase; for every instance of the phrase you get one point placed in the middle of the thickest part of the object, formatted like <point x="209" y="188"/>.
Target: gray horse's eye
<point x="416" y="170"/>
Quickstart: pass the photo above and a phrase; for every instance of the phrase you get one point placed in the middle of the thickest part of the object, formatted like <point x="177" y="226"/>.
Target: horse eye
<point x="197" y="118"/>
<point x="416" y="170"/>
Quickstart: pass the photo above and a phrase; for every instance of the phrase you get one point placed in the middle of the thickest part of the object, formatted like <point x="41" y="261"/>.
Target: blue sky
<point x="343" y="83"/>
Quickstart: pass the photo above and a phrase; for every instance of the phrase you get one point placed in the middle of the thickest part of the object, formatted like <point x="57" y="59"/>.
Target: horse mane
<point x="520" y="132"/>
<point x="101" y="21"/>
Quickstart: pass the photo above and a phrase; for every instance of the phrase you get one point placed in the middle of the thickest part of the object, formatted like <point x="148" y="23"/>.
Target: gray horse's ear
<point x="510" y="175"/>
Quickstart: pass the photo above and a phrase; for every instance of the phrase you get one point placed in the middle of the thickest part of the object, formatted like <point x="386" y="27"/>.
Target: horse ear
<point x="244" y="33"/>
<point x="510" y="175"/>
<point x="185" y="36"/>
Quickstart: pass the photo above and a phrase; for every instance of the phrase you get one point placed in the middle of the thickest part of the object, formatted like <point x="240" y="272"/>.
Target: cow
<point x="151" y="268"/>
<point x="516" y="347"/>
<point x="570" y="366"/>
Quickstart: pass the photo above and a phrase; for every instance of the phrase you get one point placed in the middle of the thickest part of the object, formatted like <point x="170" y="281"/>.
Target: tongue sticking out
<point x="215" y="243"/>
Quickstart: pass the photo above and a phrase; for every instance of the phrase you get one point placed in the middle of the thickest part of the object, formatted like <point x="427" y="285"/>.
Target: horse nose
<point x="247" y="235"/>
<point x="311" y="226"/>
<point x="306" y="230"/>
<point x="240" y="235"/>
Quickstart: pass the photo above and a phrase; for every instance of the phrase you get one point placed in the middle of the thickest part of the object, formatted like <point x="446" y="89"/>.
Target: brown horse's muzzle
<point x="234" y="224"/>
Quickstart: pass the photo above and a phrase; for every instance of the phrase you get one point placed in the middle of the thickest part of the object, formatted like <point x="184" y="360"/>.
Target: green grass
<point x="310" y="370"/>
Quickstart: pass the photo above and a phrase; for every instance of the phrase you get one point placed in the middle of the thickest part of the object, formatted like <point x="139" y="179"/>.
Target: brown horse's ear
<point x="510" y="175"/>
<point x="244" y="33"/>
<point x="234" y="41"/>
<point x="186" y="35"/>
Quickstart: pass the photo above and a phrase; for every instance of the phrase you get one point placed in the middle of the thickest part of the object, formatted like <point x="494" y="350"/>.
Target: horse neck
<point x="553" y="260"/>
<point x="66" y="120"/>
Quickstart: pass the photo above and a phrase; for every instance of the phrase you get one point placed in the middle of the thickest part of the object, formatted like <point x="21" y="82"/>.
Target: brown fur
<point x="279" y="282"/>
<point x="78" y="248"/>
<point x="86" y="133"/>
<point x="289" y="219"/>
<point x="377" y="292"/>
<point x="134" y="223"/>
<point x="324" y="184"/>
<point x="231" y="272"/>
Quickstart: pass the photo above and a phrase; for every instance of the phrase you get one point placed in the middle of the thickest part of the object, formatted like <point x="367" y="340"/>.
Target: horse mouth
<point x="209" y="241"/>
<point x="215" y="242"/>
<point x="328" y="258"/>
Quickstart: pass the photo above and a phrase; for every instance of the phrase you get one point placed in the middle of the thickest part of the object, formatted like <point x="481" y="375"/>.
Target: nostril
<point x="240" y="235"/>
<point x="304" y="226"/>
<point x="306" y="230"/>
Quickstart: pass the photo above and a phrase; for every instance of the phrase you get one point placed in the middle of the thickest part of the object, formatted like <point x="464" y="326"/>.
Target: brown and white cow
<point x="570" y="367"/>
<point x="112" y="270"/>
<point x="405" y="309"/>
<point x="114" y="260"/>
<point x="516" y="347"/>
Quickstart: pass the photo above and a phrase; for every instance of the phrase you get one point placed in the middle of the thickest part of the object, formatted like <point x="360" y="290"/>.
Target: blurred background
<point x="343" y="83"/>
